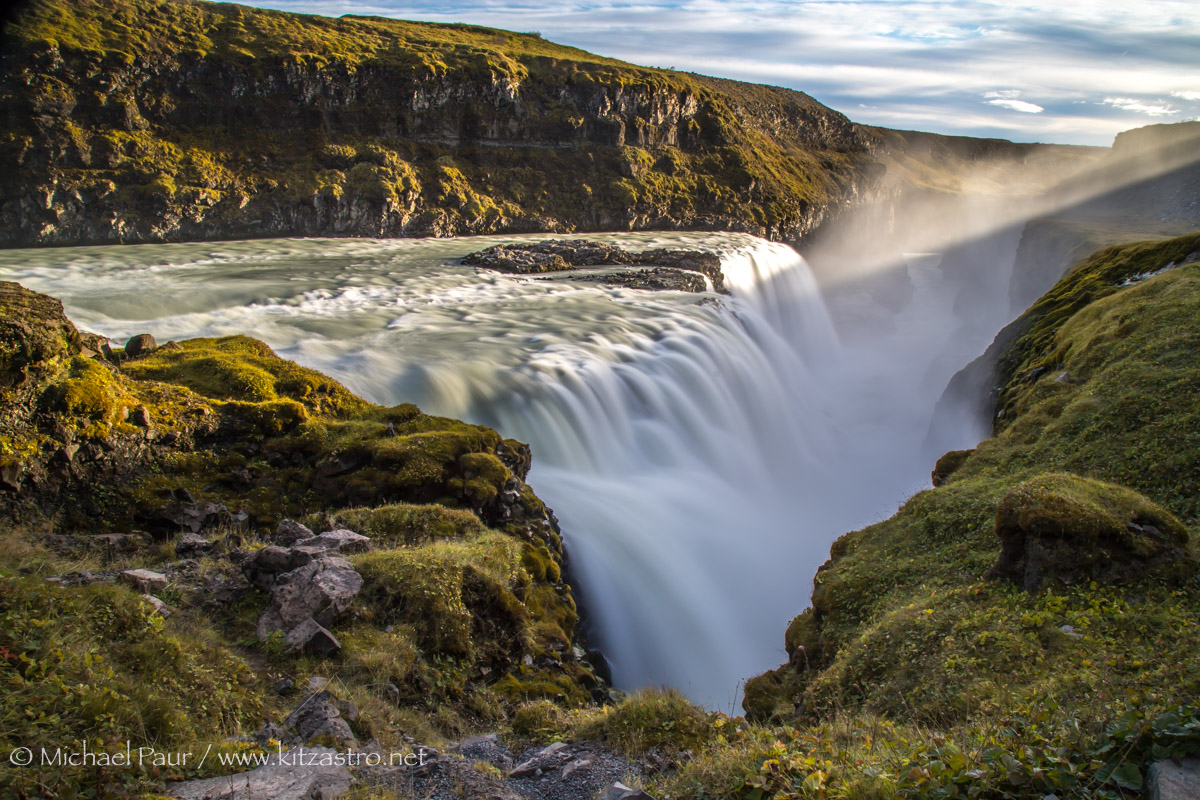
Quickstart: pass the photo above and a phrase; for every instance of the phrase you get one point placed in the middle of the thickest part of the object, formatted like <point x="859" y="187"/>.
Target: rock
<point x="619" y="791"/>
<point x="265" y="565"/>
<point x="947" y="465"/>
<point x="294" y="775"/>
<point x="1069" y="630"/>
<point x="316" y="683"/>
<point x="1174" y="780"/>
<point x="290" y="532"/>
<point x="575" y="766"/>
<point x="140" y="416"/>
<point x="144" y="580"/>
<point x="321" y="589"/>
<point x="160" y="607"/>
<point x="311" y="638"/>
<point x="116" y="542"/>
<point x="140" y="345"/>
<point x="323" y="714"/>
<point x="285" y="687"/>
<point x="190" y="545"/>
<point x="1060" y="527"/>
<point x="343" y="541"/>
<point x="190" y="516"/>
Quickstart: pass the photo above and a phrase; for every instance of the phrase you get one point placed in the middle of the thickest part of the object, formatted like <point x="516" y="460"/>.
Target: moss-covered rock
<point x="1071" y="529"/>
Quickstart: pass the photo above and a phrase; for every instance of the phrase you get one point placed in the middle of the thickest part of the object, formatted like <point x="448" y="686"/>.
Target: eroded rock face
<point x="1064" y="528"/>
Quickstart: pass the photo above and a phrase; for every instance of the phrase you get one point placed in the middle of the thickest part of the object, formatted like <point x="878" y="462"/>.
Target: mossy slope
<point x="464" y="610"/>
<point x="1102" y="387"/>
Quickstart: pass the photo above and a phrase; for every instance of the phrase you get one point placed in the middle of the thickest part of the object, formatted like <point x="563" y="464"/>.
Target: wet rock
<point x="324" y="714"/>
<point x="297" y="774"/>
<point x="140" y="345"/>
<point x="290" y="532"/>
<point x="145" y="580"/>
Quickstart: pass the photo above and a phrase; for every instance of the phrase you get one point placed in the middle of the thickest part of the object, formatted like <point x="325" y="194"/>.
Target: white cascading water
<point x="701" y="455"/>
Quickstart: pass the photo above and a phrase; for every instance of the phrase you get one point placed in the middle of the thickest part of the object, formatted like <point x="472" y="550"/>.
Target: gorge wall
<point x="141" y="121"/>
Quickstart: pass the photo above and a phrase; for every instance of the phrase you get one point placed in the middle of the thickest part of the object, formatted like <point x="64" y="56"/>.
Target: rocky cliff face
<point x="139" y="122"/>
<point x="233" y="122"/>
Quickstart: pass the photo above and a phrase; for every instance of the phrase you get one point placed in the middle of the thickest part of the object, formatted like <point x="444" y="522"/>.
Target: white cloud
<point x="1017" y="105"/>
<point x="1138" y="107"/>
<point x="1186" y="95"/>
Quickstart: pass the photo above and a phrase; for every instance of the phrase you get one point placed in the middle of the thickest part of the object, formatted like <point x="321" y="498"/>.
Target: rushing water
<point x="701" y="453"/>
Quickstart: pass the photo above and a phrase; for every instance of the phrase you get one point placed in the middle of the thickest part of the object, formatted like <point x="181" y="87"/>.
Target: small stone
<point x="619" y="791"/>
<point x="290" y="532"/>
<point x="316" y="683"/>
<point x="191" y="545"/>
<point x="140" y="417"/>
<point x="160" y="607"/>
<point x="144" y="580"/>
<point x="310" y="638"/>
<point x="527" y="661"/>
<point x="142" y="344"/>
<point x="344" y="541"/>
<point x="1070" y="631"/>
<point x="285" y="686"/>
<point x="575" y="766"/>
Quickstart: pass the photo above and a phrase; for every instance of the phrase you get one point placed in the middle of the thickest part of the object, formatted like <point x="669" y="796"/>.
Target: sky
<point x="1072" y="71"/>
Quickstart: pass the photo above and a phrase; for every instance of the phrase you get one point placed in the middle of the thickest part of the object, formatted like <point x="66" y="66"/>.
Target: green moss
<point x="405" y="525"/>
<point x="95" y="663"/>
<point x="650" y="719"/>
<point x="244" y="369"/>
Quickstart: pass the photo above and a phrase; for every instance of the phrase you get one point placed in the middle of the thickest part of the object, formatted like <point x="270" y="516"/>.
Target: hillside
<point x="137" y="120"/>
<point x="1041" y="600"/>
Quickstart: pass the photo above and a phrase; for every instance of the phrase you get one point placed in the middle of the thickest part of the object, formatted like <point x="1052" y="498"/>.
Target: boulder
<point x="264" y="566"/>
<point x="321" y="589"/>
<point x="324" y="714"/>
<point x="280" y="779"/>
<point x="1064" y="528"/>
<point x="140" y="345"/>
<point x="145" y="580"/>
<point x="343" y="541"/>
<point x="159" y="606"/>
<point x="1174" y="780"/>
<point x="291" y="532"/>
<point x="311" y="639"/>
<point x="190" y="545"/>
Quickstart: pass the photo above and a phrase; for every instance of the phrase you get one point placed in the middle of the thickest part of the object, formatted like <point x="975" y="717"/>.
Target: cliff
<point x="137" y="121"/>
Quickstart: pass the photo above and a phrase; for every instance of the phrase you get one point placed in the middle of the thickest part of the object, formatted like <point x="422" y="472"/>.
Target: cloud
<point x="1138" y="107"/>
<point x="1017" y="105"/>
<point x="1186" y="95"/>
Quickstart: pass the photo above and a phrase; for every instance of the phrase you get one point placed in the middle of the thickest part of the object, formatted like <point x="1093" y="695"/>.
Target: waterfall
<point x="701" y="453"/>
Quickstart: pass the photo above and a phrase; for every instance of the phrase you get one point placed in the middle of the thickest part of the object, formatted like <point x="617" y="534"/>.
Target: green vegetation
<point x="461" y="617"/>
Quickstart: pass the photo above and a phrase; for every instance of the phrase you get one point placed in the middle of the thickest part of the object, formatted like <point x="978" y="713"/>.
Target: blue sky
<point x="1073" y="71"/>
